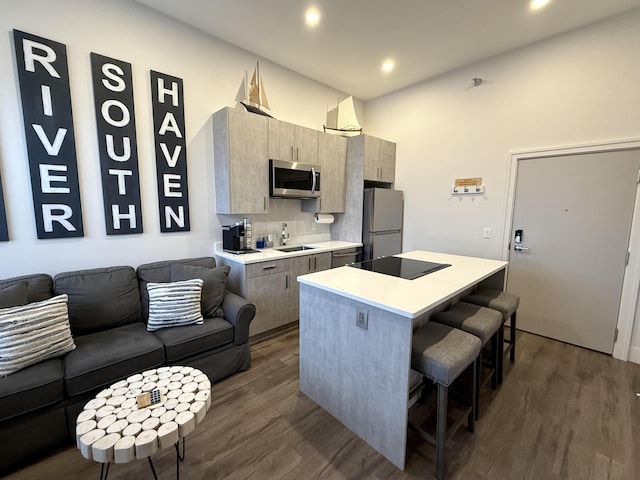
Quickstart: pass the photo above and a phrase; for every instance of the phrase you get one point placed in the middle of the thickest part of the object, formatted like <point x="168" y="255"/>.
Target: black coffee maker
<point x="237" y="238"/>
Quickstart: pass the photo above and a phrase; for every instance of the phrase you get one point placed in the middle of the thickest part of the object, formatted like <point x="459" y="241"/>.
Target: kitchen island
<point x="355" y="339"/>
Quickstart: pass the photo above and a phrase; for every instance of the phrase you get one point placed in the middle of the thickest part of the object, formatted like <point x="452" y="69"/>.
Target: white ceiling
<point x="424" y="37"/>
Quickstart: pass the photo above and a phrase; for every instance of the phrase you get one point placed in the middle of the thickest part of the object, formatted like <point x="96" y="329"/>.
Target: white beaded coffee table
<point x="112" y="428"/>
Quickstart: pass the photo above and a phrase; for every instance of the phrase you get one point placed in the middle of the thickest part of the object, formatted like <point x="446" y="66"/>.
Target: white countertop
<point x="409" y="298"/>
<point x="267" y="254"/>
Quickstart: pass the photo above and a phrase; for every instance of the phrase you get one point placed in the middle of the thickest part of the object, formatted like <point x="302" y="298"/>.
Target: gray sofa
<point x="108" y="309"/>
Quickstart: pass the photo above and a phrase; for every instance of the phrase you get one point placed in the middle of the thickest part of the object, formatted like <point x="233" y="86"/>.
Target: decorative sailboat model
<point x="255" y="99"/>
<point x="342" y="120"/>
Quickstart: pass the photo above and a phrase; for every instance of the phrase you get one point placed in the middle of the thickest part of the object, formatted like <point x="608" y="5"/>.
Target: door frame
<point x="627" y="314"/>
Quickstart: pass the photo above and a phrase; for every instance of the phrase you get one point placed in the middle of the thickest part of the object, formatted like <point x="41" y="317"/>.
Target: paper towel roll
<point x="323" y="218"/>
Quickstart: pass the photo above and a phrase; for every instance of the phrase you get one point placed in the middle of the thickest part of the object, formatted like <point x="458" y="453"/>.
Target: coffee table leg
<point x="153" y="470"/>
<point x="104" y="472"/>
<point x="179" y="458"/>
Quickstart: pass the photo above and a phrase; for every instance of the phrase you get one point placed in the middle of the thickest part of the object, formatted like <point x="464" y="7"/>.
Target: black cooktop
<point x="400" y="267"/>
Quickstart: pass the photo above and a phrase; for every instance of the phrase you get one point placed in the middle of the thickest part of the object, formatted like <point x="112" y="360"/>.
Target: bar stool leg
<point x="500" y="365"/>
<point x="512" y="353"/>
<point x="441" y="430"/>
<point x="475" y="380"/>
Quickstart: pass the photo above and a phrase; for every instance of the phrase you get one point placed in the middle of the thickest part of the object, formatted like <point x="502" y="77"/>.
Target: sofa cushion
<point x="32" y="333"/>
<point x="213" y="288"/>
<point x="160" y="272"/>
<point x="39" y="286"/>
<point x="100" y="298"/>
<point x="181" y="342"/>
<point x="31" y="388"/>
<point x="104" y="357"/>
<point x="174" y="304"/>
<point x="13" y="295"/>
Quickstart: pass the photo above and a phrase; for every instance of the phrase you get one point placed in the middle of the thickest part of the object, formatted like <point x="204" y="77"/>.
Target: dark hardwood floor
<point x="563" y="412"/>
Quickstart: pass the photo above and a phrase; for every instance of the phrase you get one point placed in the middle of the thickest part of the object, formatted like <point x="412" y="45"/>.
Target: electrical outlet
<point x="486" y="233"/>
<point x="362" y="318"/>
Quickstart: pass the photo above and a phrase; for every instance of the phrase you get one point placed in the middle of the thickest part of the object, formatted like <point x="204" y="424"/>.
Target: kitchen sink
<point x="294" y="249"/>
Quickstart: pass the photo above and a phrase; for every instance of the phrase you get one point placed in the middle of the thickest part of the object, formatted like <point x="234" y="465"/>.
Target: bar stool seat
<point x="486" y="324"/>
<point x="504" y="302"/>
<point x="441" y="353"/>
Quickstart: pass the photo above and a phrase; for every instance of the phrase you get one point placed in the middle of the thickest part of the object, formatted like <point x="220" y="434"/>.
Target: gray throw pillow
<point x="213" y="288"/>
<point x="14" y="295"/>
<point x="34" y="332"/>
<point x="174" y="304"/>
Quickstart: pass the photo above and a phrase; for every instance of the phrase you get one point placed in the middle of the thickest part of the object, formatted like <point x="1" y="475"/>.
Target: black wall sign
<point x="116" y="122"/>
<point x="4" y="231"/>
<point x="48" y="125"/>
<point x="171" y="153"/>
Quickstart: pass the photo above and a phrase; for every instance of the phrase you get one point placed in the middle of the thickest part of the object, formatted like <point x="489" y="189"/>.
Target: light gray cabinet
<point x="241" y="166"/>
<point x="270" y="294"/>
<point x="292" y="142"/>
<point x="302" y="266"/>
<point x="379" y="159"/>
<point x="332" y="157"/>
<point x="266" y="285"/>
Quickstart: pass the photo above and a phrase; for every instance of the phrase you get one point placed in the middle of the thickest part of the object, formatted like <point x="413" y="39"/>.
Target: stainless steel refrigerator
<point x="382" y="222"/>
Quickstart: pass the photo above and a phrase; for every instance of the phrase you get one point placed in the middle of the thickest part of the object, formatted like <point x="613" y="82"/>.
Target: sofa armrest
<point x="239" y="313"/>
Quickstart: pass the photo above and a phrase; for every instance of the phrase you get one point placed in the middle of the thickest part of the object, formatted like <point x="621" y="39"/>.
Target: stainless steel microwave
<point x="293" y="179"/>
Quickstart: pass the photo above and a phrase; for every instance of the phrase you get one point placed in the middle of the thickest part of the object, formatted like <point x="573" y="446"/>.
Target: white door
<point x="575" y="215"/>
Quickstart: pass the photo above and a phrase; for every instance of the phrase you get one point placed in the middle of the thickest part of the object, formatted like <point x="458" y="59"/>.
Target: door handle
<point x="519" y="248"/>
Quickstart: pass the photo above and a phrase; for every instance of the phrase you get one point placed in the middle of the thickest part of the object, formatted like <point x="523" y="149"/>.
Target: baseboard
<point x="634" y="355"/>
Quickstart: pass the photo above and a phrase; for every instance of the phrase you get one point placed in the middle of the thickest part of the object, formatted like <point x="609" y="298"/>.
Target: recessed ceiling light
<point x="537" y="4"/>
<point x="387" y="66"/>
<point x="312" y="17"/>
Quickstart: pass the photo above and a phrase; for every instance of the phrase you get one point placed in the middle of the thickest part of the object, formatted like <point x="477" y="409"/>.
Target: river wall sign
<point x="4" y="230"/>
<point x="48" y="126"/>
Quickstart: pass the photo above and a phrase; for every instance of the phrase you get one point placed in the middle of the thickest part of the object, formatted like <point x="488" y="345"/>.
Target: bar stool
<point x="441" y="353"/>
<point x="486" y="324"/>
<point x="507" y="304"/>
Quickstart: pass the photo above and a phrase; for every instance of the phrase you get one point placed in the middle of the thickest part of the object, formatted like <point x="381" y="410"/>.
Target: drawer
<point x="266" y="268"/>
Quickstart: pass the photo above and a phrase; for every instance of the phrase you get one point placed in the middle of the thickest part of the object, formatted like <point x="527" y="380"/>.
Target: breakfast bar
<point x="356" y="327"/>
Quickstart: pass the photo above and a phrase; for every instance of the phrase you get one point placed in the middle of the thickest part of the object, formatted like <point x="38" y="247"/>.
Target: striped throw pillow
<point x="34" y="332"/>
<point x="174" y="304"/>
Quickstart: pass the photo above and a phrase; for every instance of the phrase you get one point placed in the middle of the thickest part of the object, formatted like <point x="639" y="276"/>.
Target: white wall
<point x="211" y="70"/>
<point x="580" y="87"/>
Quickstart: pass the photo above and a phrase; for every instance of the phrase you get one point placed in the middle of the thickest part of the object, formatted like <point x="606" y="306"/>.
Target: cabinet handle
<point x="309" y="260"/>
<point x="315" y="263"/>
<point x="297" y="154"/>
<point x="292" y="159"/>
<point x="286" y="281"/>
<point x="270" y="267"/>
<point x="320" y="203"/>
<point x="264" y="203"/>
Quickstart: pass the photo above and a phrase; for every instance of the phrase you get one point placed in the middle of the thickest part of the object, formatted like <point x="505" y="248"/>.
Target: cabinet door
<point x="332" y="157"/>
<point x="270" y="295"/>
<point x="387" y="161"/>
<point x="305" y="145"/>
<point x="281" y="140"/>
<point x="371" y="158"/>
<point x="240" y="162"/>
<point x="298" y="266"/>
<point x="322" y="261"/>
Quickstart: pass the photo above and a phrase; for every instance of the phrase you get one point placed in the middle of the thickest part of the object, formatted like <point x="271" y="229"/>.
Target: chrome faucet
<point x="284" y="235"/>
